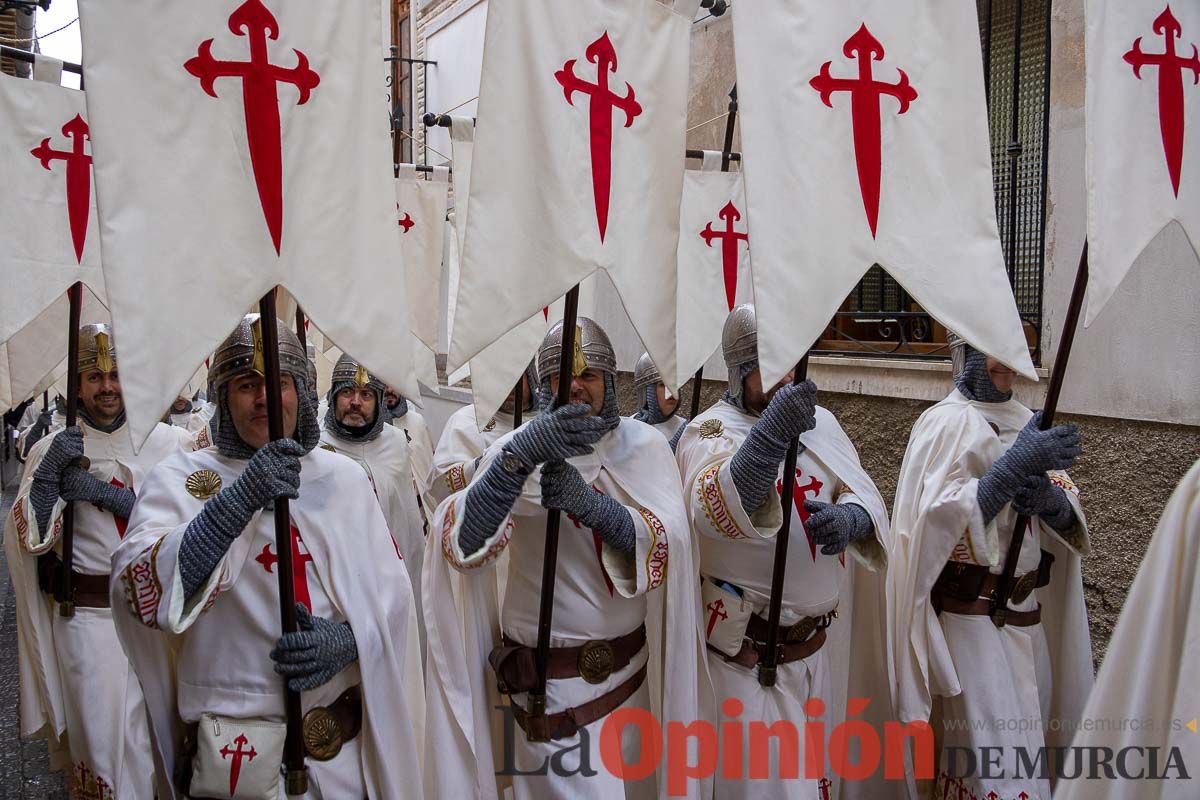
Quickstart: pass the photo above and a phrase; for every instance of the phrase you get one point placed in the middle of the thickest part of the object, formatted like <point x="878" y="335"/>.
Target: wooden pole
<point x="537" y="697"/>
<point x="999" y="609"/>
<point x="66" y="587"/>
<point x="726" y="157"/>
<point x="296" y="775"/>
<point x="302" y="334"/>
<point x="519" y="402"/>
<point x="767" y="668"/>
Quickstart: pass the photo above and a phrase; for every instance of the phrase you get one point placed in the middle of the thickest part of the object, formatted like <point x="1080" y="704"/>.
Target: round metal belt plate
<point x="1024" y="587"/>
<point x="322" y="734"/>
<point x="596" y="661"/>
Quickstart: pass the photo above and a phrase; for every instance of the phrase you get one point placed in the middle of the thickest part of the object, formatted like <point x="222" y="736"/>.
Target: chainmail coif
<point x="975" y="382"/>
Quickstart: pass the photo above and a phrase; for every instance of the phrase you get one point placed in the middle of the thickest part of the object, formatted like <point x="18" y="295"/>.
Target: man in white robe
<point x="463" y="444"/>
<point x="191" y="415"/>
<point x="658" y="406"/>
<point x="402" y="415"/>
<point x="625" y="592"/>
<point x="974" y="461"/>
<point x="77" y="689"/>
<point x="1147" y="677"/>
<point x="355" y="425"/>
<point x="832" y="614"/>
<point x="37" y="423"/>
<point x="199" y="604"/>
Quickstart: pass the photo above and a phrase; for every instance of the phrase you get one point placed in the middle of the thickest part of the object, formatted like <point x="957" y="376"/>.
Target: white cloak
<point x="463" y="745"/>
<point x="358" y="569"/>
<point x="852" y="662"/>
<point x="461" y="445"/>
<point x="76" y="686"/>
<point x="670" y="426"/>
<point x="421" y="448"/>
<point x="1146" y="676"/>
<point x="937" y="519"/>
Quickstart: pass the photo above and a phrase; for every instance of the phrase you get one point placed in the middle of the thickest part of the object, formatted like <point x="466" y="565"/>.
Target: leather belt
<point x="90" y="591"/>
<point x="802" y="631"/>
<point x="594" y="661"/>
<point x="754" y="652"/>
<point x="565" y="724"/>
<point x="970" y="582"/>
<point x="326" y="728"/>
<point x="1020" y="619"/>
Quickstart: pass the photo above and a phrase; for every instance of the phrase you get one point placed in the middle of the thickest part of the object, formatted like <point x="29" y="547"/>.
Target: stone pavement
<point x="25" y="772"/>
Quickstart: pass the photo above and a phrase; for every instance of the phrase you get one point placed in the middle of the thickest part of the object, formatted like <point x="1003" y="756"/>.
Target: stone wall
<point x="1126" y="476"/>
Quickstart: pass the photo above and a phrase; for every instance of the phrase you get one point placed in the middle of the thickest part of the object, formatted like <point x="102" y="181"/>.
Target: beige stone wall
<point x="1126" y="475"/>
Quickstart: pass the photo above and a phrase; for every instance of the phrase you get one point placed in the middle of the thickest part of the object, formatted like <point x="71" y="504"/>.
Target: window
<point x="879" y="318"/>
<point x="401" y="83"/>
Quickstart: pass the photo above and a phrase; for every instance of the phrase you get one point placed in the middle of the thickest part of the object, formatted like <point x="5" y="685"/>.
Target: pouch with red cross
<point x="725" y="615"/>
<point x="237" y="758"/>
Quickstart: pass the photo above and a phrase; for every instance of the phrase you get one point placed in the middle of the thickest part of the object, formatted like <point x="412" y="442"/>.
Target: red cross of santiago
<point x="79" y="178"/>
<point x="300" y="561"/>
<point x="1170" y="86"/>
<point x="600" y="111"/>
<point x="729" y="247"/>
<point x="866" y="110"/>
<point x="260" y="98"/>
<point x="236" y="755"/>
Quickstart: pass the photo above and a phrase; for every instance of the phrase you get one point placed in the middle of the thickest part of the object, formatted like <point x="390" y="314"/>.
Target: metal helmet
<point x="96" y="350"/>
<point x="242" y="351"/>
<point x="645" y="373"/>
<point x="350" y="372"/>
<point x="958" y="352"/>
<point x="592" y="350"/>
<point x="739" y="345"/>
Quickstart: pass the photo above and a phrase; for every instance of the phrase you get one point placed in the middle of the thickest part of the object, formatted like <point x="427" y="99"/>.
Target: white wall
<point x="454" y="39"/>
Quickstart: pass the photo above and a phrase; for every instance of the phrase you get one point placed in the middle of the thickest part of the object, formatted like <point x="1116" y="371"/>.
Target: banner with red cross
<point x="47" y="208"/>
<point x="865" y="141"/>
<point x="577" y="167"/>
<point x="1143" y="133"/>
<point x="714" y="263"/>
<point x="240" y="145"/>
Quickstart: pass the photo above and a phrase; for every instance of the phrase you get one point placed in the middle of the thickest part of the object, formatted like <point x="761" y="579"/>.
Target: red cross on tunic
<point x="823" y="785"/>
<point x="599" y="543"/>
<point x="813" y="487"/>
<point x="1171" y="68"/>
<point x="300" y="561"/>
<point x="122" y="523"/>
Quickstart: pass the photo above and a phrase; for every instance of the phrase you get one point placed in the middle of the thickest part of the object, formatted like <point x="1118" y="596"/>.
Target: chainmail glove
<point x="311" y="656"/>
<point x="1038" y="497"/>
<point x="836" y="526"/>
<point x="563" y="488"/>
<point x="562" y="433"/>
<point x="64" y="450"/>
<point x="273" y="471"/>
<point x="1034" y="453"/>
<point x="754" y="467"/>
<point x="79" y="484"/>
<point x="489" y="499"/>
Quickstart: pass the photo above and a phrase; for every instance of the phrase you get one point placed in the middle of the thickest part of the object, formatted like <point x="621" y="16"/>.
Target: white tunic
<point x="600" y="593"/>
<point x="669" y="426"/>
<point x="740" y="548"/>
<point x="1147" y="673"/>
<point x="387" y="462"/>
<point x="462" y="444"/>
<point x="421" y="449"/>
<point x="75" y="680"/>
<point x="345" y="564"/>
<point x="1037" y="677"/>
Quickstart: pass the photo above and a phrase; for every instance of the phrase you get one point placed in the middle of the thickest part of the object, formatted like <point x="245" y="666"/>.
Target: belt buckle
<point x="596" y="661"/>
<point x="322" y="733"/>
<point x="1024" y="586"/>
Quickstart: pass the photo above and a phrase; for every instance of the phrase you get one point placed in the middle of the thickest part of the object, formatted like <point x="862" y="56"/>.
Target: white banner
<point x="241" y="145"/>
<point x="1143" y="133"/>
<point x="421" y="208"/>
<point x="578" y="165"/>
<point x="714" y="263"/>
<point x="865" y="140"/>
<point x="48" y="222"/>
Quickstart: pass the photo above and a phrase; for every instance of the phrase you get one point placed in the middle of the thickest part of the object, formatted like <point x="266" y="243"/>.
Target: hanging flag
<point x="578" y="165"/>
<point x="421" y="212"/>
<point x="714" y="261"/>
<point x="865" y="141"/>
<point x="240" y="145"/>
<point x="1143" y="133"/>
<point x="48" y="204"/>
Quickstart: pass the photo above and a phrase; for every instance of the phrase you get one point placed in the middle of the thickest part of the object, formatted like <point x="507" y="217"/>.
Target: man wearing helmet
<point x="198" y="580"/>
<point x="75" y="681"/>
<point x="658" y="408"/>
<point x="355" y="425"/>
<point x="623" y="524"/>
<point x="731" y="459"/>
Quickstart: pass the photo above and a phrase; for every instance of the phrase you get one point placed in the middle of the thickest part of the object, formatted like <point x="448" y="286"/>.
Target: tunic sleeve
<point x="33" y="539"/>
<point x="646" y="570"/>
<point x="713" y="503"/>
<point x="448" y="523"/>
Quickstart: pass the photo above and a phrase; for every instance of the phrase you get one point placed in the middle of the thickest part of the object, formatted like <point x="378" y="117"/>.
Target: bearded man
<point x="974" y="462"/>
<point x="624" y="585"/>
<point x="831" y="630"/>
<point x="200" y="602"/>
<point x="76" y="684"/>
<point x="355" y="425"/>
<point x="658" y="407"/>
